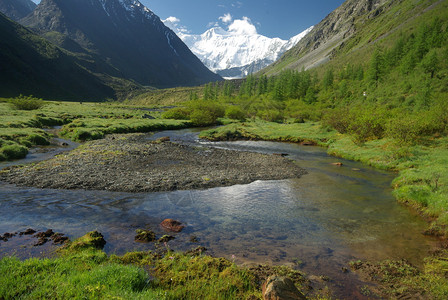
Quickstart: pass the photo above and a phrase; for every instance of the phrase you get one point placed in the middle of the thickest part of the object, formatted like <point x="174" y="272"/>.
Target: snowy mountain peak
<point x="237" y="51"/>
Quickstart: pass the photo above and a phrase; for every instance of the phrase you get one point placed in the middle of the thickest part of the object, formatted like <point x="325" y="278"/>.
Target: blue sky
<point x="272" y="18"/>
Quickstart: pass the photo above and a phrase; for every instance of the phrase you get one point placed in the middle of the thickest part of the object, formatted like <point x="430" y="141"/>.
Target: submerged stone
<point x="172" y="225"/>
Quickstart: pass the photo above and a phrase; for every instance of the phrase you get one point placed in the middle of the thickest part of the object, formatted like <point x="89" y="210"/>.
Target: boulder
<point x="172" y="225"/>
<point x="281" y="288"/>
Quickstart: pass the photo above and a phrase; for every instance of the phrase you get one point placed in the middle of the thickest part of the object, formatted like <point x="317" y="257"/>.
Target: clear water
<point x="325" y="219"/>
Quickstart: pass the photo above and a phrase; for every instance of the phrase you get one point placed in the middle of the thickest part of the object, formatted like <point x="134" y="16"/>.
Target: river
<point x="317" y="223"/>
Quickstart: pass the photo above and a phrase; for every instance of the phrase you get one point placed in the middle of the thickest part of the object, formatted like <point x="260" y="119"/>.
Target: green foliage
<point x="328" y="79"/>
<point x="204" y="113"/>
<point x="430" y="63"/>
<point x="376" y="67"/>
<point x="26" y="103"/>
<point x="235" y="113"/>
<point x="177" y="113"/>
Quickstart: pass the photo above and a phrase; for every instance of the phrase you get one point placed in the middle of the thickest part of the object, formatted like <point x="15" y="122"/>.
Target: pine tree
<point x="328" y="79"/>
<point x="430" y="63"/>
<point x="375" y="69"/>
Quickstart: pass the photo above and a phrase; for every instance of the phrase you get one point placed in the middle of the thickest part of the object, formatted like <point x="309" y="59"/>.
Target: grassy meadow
<point x="22" y="127"/>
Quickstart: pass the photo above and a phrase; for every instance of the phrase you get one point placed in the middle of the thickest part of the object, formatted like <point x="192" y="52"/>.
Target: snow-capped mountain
<point x="237" y="51"/>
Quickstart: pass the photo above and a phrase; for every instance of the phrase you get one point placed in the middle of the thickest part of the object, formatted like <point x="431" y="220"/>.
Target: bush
<point x="366" y="124"/>
<point x="202" y="118"/>
<point x="26" y="103"/>
<point x="204" y="113"/>
<point x="177" y="113"/>
<point x="337" y="119"/>
<point x="407" y="129"/>
<point x="271" y="115"/>
<point x="235" y="113"/>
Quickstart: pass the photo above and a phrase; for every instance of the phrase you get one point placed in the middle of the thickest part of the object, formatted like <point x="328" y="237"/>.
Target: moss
<point x="92" y="240"/>
<point x="14" y="151"/>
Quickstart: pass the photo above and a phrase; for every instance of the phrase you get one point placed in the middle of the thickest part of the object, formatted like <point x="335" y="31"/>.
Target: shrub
<point x="26" y="103"/>
<point x="202" y="118"/>
<point x="177" y="113"/>
<point x="235" y="113"/>
<point x="338" y="119"/>
<point x="271" y="115"/>
<point x="204" y="113"/>
<point x="366" y="124"/>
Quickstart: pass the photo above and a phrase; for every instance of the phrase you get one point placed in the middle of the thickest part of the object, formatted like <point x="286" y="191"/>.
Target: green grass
<point x="95" y="128"/>
<point x="400" y="279"/>
<point x="82" y="271"/>
<point x="270" y="131"/>
<point x="23" y="129"/>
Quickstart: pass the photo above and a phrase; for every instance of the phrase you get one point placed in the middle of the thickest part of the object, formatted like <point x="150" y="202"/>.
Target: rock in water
<point x="145" y="236"/>
<point x="281" y="288"/>
<point x="172" y="225"/>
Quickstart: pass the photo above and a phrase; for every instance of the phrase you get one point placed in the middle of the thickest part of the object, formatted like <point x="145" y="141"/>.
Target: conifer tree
<point x="430" y="63"/>
<point x="375" y="67"/>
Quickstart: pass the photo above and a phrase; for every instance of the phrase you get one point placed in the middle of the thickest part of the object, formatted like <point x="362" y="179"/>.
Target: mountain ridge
<point x="131" y="38"/>
<point x="32" y="65"/>
<point x="17" y="9"/>
<point x="327" y="36"/>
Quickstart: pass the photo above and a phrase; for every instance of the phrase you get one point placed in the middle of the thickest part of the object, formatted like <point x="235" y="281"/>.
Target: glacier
<point x="238" y="51"/>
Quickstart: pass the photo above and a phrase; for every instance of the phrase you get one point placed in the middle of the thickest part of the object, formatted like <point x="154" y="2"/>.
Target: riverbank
<point x="81" y="269"/>
<point x="132" y="163"/>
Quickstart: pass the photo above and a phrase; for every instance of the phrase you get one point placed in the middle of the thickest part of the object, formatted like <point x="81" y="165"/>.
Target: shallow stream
<point x="317" y="223"/>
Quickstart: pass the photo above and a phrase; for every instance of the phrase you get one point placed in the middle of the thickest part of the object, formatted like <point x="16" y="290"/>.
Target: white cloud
<point x="172" y="20"/>
<point x="242" y="27"/>
<point x="174" y="24"/>
<point x="212" y="24"/>
<point x="237" y="4"/>
<point x="226" y="19"/>
<point x="236" y="27"/>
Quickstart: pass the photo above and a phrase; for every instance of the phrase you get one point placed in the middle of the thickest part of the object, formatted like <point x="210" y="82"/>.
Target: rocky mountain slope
<point x="30" y="64"/>
<point x="123" y="38"/>
<point x="17" y="9"/>
<point x="329" y="35"/>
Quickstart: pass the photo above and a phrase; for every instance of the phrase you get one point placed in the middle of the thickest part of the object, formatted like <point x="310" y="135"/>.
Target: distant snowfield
<point x="237" y="51"/>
